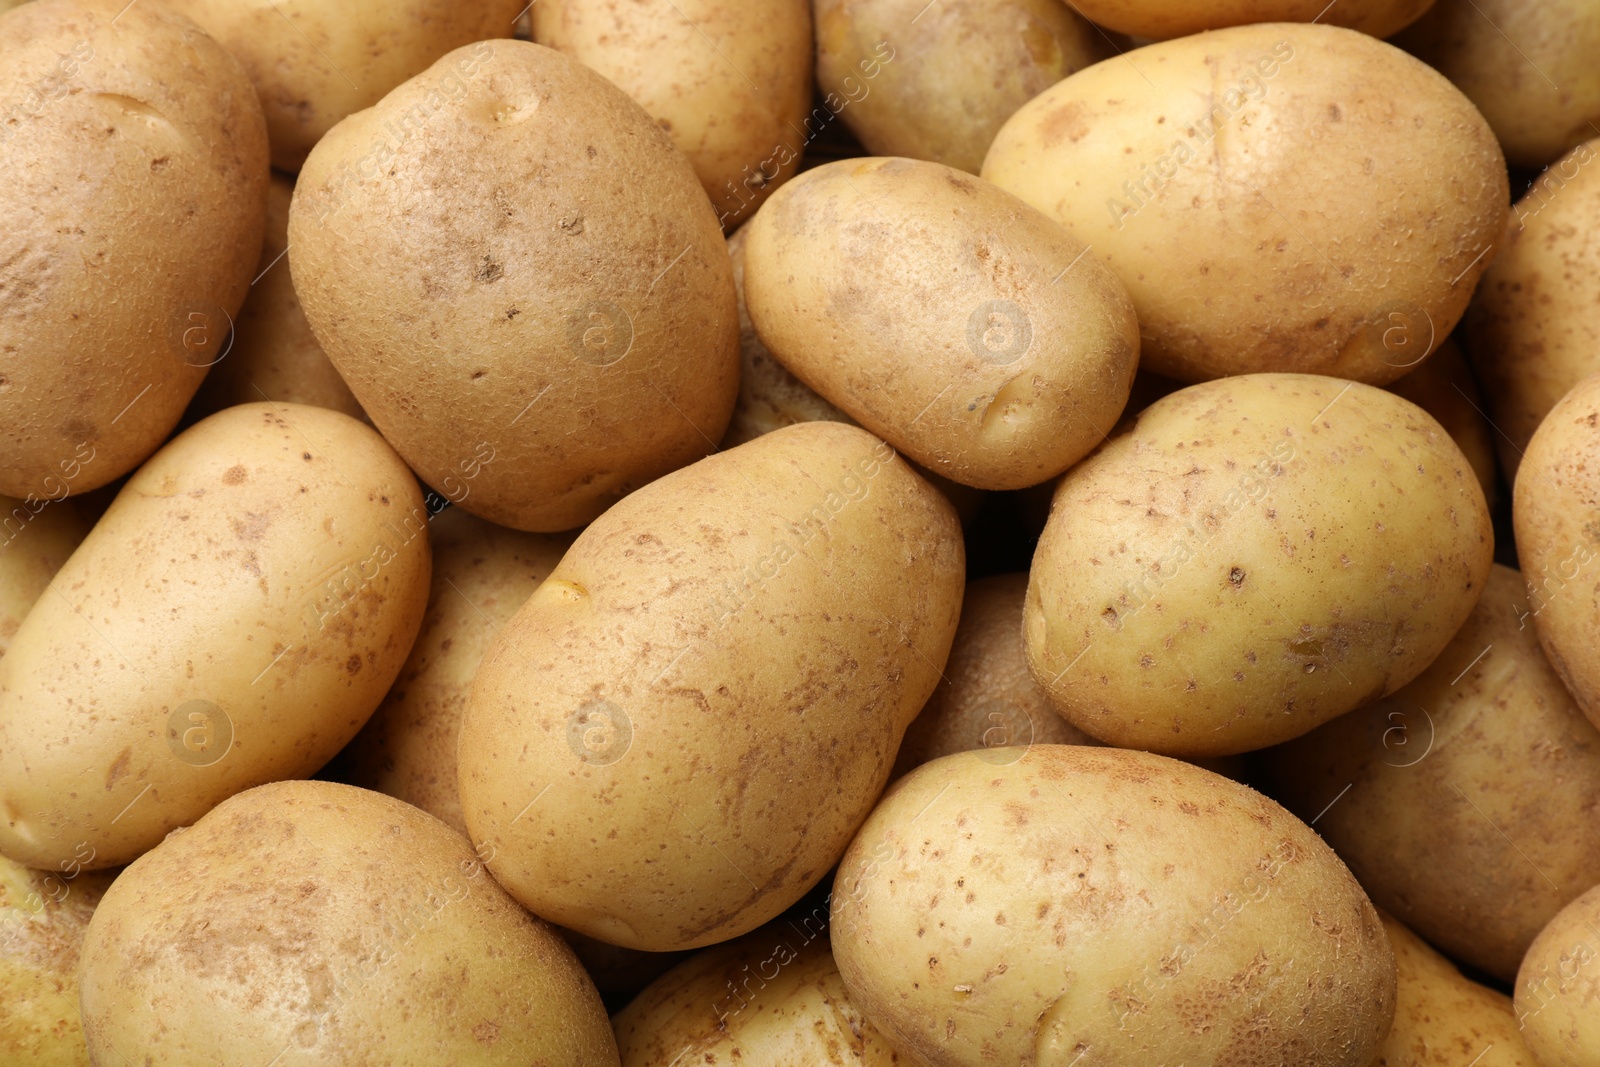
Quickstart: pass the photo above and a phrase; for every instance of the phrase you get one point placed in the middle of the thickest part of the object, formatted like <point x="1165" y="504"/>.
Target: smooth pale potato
<point x="1462" y="802"/>
<point x="1256" y="556"/>
<point x="578" y="329"/>
<point x="1109" y="906"/>
<point x="36" y="537"/>
<point x="1275" y="197"/>
<point x="1161" y="19"/>
<point x="944" y="315"/>
<point x="1558" y="984"/>
<point x="1533" y="330"/>
<point x="329" y="925"/>
<point x="680" y="731"/>
<point x="136" y="165"/>
<point x="730" y="80"/>
<point x="314" y="63"/>
<point x="233" y="619"/>
<point x="937" y="81"/>
<point x="1444" y="387"/>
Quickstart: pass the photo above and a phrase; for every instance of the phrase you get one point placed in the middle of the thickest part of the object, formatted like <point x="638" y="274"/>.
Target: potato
<point x="1463" y="801"/>
<point x="679" y="732"/>
<point x="35" y="540"/>
<point x="233" y="619"/>
<point x="962" y="326"/>
<point x="136" y="165"/>
<point x="1557" y="987"/>
<point x="1111" y="906"/>
<point x="936" y="81"/>
<point x="1254" y="557"/>
<point x="1444" y="387"/>
<point x="730" y="80"/>
<point x="315" y="63"/>
<point x="1275" y="197"/>
<point x="1160" y="19"/>
<point x="556" y="341"/>
<point x="1533" y="330"/>
<point x="336" y="922"/>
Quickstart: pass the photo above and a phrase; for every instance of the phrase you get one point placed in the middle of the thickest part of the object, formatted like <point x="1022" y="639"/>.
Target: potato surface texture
<point x="36" y="537"/>
<point x="1179" y="18"/>
<point x="1557" y="986"/>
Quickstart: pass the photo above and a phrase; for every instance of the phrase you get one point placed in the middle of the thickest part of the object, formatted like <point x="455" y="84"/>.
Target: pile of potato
<point x="790" y="532"/>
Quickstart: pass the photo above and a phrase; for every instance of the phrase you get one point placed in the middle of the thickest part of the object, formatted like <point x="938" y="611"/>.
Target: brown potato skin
<point x="1161" y="19"/>
<point x="1445" y="388"/>
<point x="1557" y="985"/>
<point x="136" y="158"/>
<point x="36" y="537"/>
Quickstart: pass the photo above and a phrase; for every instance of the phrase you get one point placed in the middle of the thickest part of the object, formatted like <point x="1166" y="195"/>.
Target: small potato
<point x="944" y="315"/>
<point x="1275" y="197"/>
<point x="1161" y="19"/>
<point x="1256" y="556"/>
<point x="1444" y="387"/>
<point x="36" y="537"/>
<point x="1105" y="906"/>
<point x="1558" y="984"/>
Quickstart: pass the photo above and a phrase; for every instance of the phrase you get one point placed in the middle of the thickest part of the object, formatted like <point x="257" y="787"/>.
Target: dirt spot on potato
<point x="235" y="474"/>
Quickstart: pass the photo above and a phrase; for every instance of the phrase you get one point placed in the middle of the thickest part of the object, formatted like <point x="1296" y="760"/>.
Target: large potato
<point x="233" y="619"/>
<point x="1275" y="197"/>
<point x="1445" y="388"/>
<point x="135" y="159"/>
<point x="680" y="731"/>
<point x="948" y="317"/>
<point x="325" y="924"/>
<point x="1254" y="557"/>
<point x="1161" y="19"/>
<point x="35" y="540"/>
<point x="1463" y="802"/>
<point x="1109" y="907"/>
<point x="539" y="263"/>
<point x="1558" y="984"/>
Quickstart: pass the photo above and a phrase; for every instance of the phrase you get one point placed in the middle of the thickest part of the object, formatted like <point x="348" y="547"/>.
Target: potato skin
<point x="800" y="591"/>
<point x="1161" y="19"/>
<point x="221" y="623"/>
<point x="36" y="537"/>
<point x="1557" y="986"/>
<point x="337" y="921"/>
<point x="493" y="292"/>
<point x="1267" y="210"/>
<point x="1254" y="557"/>
<point x="1106" y="904"/>
<point x="1020" y="352"/>
<point x="1444" y="386"/>
<point x="136" y="158"/>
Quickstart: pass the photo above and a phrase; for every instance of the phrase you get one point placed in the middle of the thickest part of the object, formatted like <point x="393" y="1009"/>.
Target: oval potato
<point x="35" y="540"/>
<point x="1558" y="984"/>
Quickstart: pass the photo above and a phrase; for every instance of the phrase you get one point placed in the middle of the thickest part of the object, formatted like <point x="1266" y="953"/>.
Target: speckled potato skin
<point x="1533" y="330"/>
<point x="533" y="215"/>
<point x="730" y="80"/>
<point x="680" y="731"/>
<point x="1161" y="19"/>
<point x="1266" y="206"/>
<point x="1443" y="386"/>
<point x="271" y="564"/>
<point x="313" y="63"/>
<point x="936" y="82"/>
<point x="36" y="537"/>
<point x="341" y="925"/>
<point x="1558" y="984"/>
<point x="136" y="164"/>
<point x="1468" y="812"/>
<point x="1254" y="557"/>
<point x="1108" y="907"/>
<point x="943" y="314"/>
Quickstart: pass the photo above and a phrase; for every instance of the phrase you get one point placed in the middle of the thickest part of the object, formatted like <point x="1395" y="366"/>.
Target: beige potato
<point x="580" y="329"/>
<point x="1254" y="557"/>
<point x="962" y="326"/>
<point x="1161" y="19"/>
<point x="1445" y="388"/>
<point x="135" y="158"/>
<point x="678" y="733"/>
<point x="1275" y="197"/>
<point x="233" y="619"/>
<point x="329" y="925"/>
<point x="1558" y="984"/>
<point x="1462" y="802"/>
<point x="36" y="537"/>
<point x="1109" y="907"/>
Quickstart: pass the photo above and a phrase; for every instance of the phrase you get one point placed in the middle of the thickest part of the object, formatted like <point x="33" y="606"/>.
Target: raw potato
<point x="314" y="63"/>
<point x="1111" y="906"/>
<point x="36" y="537"/>
<point x="135" y="159"/>
<point x="233" y="619"/>
<point x="1534" y="327"/>
<point x="944" y="315"/>
<point x="730" y="80"/>
<point x="1444" y="387"/>
<point x="937" y="81"/>
<point x="1464" y="801"/>
<point x="680" y="731"/>
<point x="1275" y="197"/>
<point x="1558" y="984"/>
<point x="1256" y="556"/>
<point x="579" y="328"/>
<point x="336" y="922"/>
<point x="1161" y="19"/>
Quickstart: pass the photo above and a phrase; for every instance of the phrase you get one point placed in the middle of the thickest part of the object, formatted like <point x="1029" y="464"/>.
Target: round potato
<point x="1266" y="206"/>
<point x="1108" y="906"/>
<point x="801" y="593"/>
<point x="961" y="325"/>
<point x="1444" y="387"/>
<point x="1254" y="557"/>
<point x="1161" y="19"/>
<point x="35" y="540"/>
<point x="1558" y="984"/>
<point x="136" y="164"/>
<point x="233" y="619"/>
<point x="326" y="924"/>
<point x="578" y="330"/>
